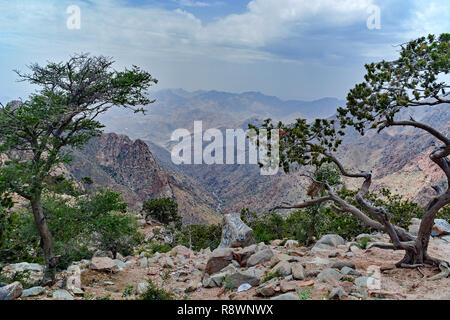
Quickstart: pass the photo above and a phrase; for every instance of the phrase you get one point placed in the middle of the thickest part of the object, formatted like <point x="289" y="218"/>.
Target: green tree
<point x="412" y="80"/>
<point x="164" y="210"/>
<point x="38" y="133"/>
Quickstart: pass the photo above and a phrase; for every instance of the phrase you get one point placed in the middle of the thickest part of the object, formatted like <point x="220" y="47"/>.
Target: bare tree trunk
<point x="46" y="240"/>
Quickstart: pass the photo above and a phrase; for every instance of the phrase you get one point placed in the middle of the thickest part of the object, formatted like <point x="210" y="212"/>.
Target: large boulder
<point x="31" y="273"/>
<point x="328" y="242"/>
<point x="235" y="233"/>
<point x="260" y="257"/>
<point x="441" y="228"/>
<point x="251" y="276"/>
<point x="103" y="264"/>
<point x="218" y="260"/>
<point x="11" y="291"/>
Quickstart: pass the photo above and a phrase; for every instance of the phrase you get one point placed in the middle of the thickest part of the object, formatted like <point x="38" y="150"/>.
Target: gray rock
<point x="266" y="290"/>
<point x="290" y="244"/>
<point x="286" y="296"/>
<point x="361" y="281"/>
<point x="318" y="260"/>
<point x="235" y="233"/>
<point x="251" y="276"/>
<point x="350" y="272"/>
<point x="260" y="257"/>
<point x="104" y="264"/>
<point x="337" y="293"/>
<point x="328" y="242"/>
<point x="340" y="264"/>
<point x="218" y="260"/>
<point x="283" y="267"/>
<point x="141" y="288"/>
<point x="446" y="239"/>
<point x="143" y="262"/>
<point x="11" y="291"/>
<point x="362" y="236"/>
<point x="441" y="228"/>
<point x="328" y="275"/>
<point x="298" y="272"/>
<point x="62" y="295"/>
<point x="31" y="273"/>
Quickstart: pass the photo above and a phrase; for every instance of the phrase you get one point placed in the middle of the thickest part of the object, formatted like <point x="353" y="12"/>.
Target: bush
<point x="200" y="236"/>
<point x="164" y="210"/>
<point x="154" y="293"/>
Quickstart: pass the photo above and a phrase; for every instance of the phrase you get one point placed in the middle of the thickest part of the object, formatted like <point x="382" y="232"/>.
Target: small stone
<point x="320" y="261"/>
<point x="143" y="262"/>
<point x="192" y="286"/>
<point x="333" y="254"/>
<point x="62" y="295"/>
<point x="286" y="286"/>
<point x="260" y="257"/>
<point x="298" y="272"/>
<point x="350" y="272"/>
<point x="141" y="288"/>
<point x="32" y="292"/>
<point x="328" y="275"/>
<point x="291" y="244"/>
<point x="337" y="293"/>
<point x="286" y="296"/>
<point x="361" y="281"/>
<point x="266" y="291"/>
<point x="284" y="268"/>
<point x="340" y="264"/>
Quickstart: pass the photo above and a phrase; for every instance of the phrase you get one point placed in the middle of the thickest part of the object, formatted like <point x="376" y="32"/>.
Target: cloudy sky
<point x="301" y="49"/>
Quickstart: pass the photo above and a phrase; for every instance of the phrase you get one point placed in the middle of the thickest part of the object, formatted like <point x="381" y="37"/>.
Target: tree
<point x="37" y="134"/>
<point x="164" y="210"/>
<point x="412" y="80"/>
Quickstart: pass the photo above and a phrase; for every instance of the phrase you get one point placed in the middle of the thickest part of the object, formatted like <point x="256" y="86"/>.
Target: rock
<point x="298" y="272"/>
<point x="32" y="292"/>
<point x="328" y="242"/>
<point x="333" y="254"/>
<point x="446" y="239"/>
<point x="276" y="243"/>
<point x="246" y="253"/>
<point x="337" y="293"/>
<point x="235" y="233"/>
<point x="260" y="257"/>
<point x="218" y="260"/>
<point x="340" y="264"/>
<point x="103" y="254"/>
<point x="73" y="282"/>
<point x="361" y="281"/>
<point x="284" y="268"/>
<point x="251" y="276"/>
<point x="287" y="286"/>
<point x="266" y="290"/>
<point x="168" y="263"/>
<point x="286" y="296"/>
<point x="362" y="236"/>
<point x="328" y="275"/>
<point x="414" y="229"/>
<point x="200" y="266"/>
<point x="78" y="292"/>
<point x="143" y="262"/>
<point x="11" y="291"/>
<point x="121" y="258"/>
<point x="291" y="244"/>
<point x="441" y="228"/>
<point x="192" y="286"/>
<point x="350" y="272"/>
<point x="349" y="255"/>
<point x="182" y="251"/>
<point x="62" y="295"/>
<point x="320" y="261"/>
<point x="141" y="287"/>
<point x="31" y="273"/>
<point x="104" y="264"/>
<point x="355" y="250"/>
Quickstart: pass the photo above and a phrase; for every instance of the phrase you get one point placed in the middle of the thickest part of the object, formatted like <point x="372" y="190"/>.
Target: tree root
<point x="410" y="266"/>
<point x="445" y="272"/>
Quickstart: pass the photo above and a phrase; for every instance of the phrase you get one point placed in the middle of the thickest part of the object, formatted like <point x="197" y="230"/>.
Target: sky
<point x="293" y="49"/>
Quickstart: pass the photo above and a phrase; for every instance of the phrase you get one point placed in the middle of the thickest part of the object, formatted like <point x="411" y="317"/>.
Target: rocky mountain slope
<point x="126" y="166"/>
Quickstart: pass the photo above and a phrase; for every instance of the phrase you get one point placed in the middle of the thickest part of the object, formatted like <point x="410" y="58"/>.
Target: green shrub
<point x="271" y="275"/>
<point x="200" y="236"/>
<point x="164" y="210"/>
<point x="154" y="293"/>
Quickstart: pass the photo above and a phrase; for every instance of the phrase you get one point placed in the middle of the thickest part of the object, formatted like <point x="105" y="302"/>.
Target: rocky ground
<point x="331" y="269"/>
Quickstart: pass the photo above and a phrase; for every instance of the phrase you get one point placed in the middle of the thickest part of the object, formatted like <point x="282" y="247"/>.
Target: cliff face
<point x="116" y="162"/>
